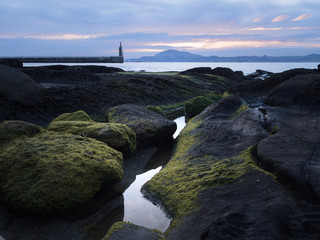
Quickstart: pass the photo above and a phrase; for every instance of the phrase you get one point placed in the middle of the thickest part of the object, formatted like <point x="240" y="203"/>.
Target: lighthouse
<point x="120" y="51"/>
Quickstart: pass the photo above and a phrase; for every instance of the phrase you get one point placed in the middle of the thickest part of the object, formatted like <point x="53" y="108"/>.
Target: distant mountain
<point x="178" y="56"/>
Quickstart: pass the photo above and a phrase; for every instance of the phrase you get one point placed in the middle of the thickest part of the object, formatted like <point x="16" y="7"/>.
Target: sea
<point x="245" y="67"/>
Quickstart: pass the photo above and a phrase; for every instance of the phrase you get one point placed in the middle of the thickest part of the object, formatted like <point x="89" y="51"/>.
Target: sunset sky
<point x="146" y="27"/>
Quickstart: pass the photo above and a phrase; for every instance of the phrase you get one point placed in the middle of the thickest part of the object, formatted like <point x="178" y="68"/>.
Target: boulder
<point x="11" y="130"/>
<point x="301" y="89"/>
<point x="259" y="86"/>
<point x="129" y="231"/>
<point x="50" y="173"/>
<point x="294" y="161"/>
<point x="17" y="86"/>
<point x="228" y="73"/>
<point x="117" y="136"/>
<point x="74" y="116"/>
<point x="150" y="127"/>
<point x="196" y="105"/>
<point x="197" y="70"/>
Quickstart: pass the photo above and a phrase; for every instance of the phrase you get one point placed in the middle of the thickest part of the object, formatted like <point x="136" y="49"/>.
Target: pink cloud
<point x="302" y="17"/>
<point x="280" y="18"/>
<point x="259" y="19"/>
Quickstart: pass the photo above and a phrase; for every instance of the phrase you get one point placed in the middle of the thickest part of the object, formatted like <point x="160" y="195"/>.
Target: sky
<point x="146" y="27"/>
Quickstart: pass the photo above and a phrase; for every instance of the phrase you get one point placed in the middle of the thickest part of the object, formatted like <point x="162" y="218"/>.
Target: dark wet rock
<point x="50" y="173"/>
<point x="259" y="74"/>
<point x="265" y="86"/>
<point x="61" y="74"/>
<point x="102" y="69"/>
<point x="294" y="160"/>
<point x="234" y="197"/>
<point x="228" y="73"/>
<point x="219" y="71"/>
<point x="17" y="86"/>
<point x="150" y="127"/>
<point x="128" y="231"/>
<point x="301" y="89"/>
<point x="200" y="70"/>
<point x="292" y="153"/>
<point x="11" y="62"/>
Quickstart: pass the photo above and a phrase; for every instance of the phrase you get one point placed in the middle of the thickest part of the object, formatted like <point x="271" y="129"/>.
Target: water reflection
<point x="141" y="211"/>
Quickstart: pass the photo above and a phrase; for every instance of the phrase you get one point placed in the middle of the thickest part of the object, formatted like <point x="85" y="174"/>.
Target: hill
<point x="179" y="56"/>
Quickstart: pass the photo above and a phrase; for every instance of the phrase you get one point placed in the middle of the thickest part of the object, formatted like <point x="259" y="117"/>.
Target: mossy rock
<point x="50" y="172"/>
<point x="150" y="127"/>
<point x="10" y="130"/>
<point x="129" y="231"/>
<point x="196" y="105"/>
<point x="75" y="116"/>
<point x="117" y="136"/>
<point x="156" y="110"/>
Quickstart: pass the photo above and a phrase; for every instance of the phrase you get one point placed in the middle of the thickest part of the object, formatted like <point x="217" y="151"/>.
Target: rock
<point x="17" y="86"/>
<point x="50" y="173"/>
<point x="61" y="74"/>
<point x="128" y="231"/>
<point x="75" y="116"/>
<point x="117" y="136"/>
<point x="226" y="72"/>
<point x="11" y="130"/>
<point x="150" y="127"/>
<point x="301" y="89"/>
<point x="319" y="67"/>
<point x="259" y="86"/>
<point x="227" y="195"/>
<point x="289" y="157"/>
<point x="196" y="105"/>
<point x="12" y="62"/>
<point x="292" y="152"/>
<point x="156" y="110"/>
<point x="102" y="69"/>
<point x="197" y="70"/>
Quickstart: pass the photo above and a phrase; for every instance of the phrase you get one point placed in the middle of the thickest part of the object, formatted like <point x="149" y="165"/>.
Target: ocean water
<point x="246" y="67"/>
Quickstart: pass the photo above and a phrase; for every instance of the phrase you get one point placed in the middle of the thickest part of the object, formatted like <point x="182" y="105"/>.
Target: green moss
<point x="118" y="136"/>
<point x="114" y="228"/>
<point x="274" y="129"/>
<point x="10" y="130"/>
<point x="53" y="172"/>
<point x="196" y="105"/>
<point x="156" y="110"/>
<point x="75" y="116"/>
<point x="225" y="94"/>
<point x="179" y="183"/>
<point x="240" y="110"/>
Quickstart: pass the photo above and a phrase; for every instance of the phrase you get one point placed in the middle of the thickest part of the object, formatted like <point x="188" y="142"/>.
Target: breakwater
<point x="111" y="59"/>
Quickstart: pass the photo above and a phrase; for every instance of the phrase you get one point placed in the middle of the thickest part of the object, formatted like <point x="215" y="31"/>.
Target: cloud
<point x="280" y="18"/>
<point x="211" y="44"/>
<point x="280" y="28"/>
<point x="259" y="19"/>
<point x="302" y="17"/>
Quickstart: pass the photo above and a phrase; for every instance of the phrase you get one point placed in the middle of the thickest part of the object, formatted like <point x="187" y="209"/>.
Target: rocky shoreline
<point x="238" y="171"/>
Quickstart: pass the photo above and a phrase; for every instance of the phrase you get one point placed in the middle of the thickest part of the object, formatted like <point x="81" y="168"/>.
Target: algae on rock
<point x="117" y="136"/>
<point x="49" y="172"/>
<point x="75" y="116"/>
